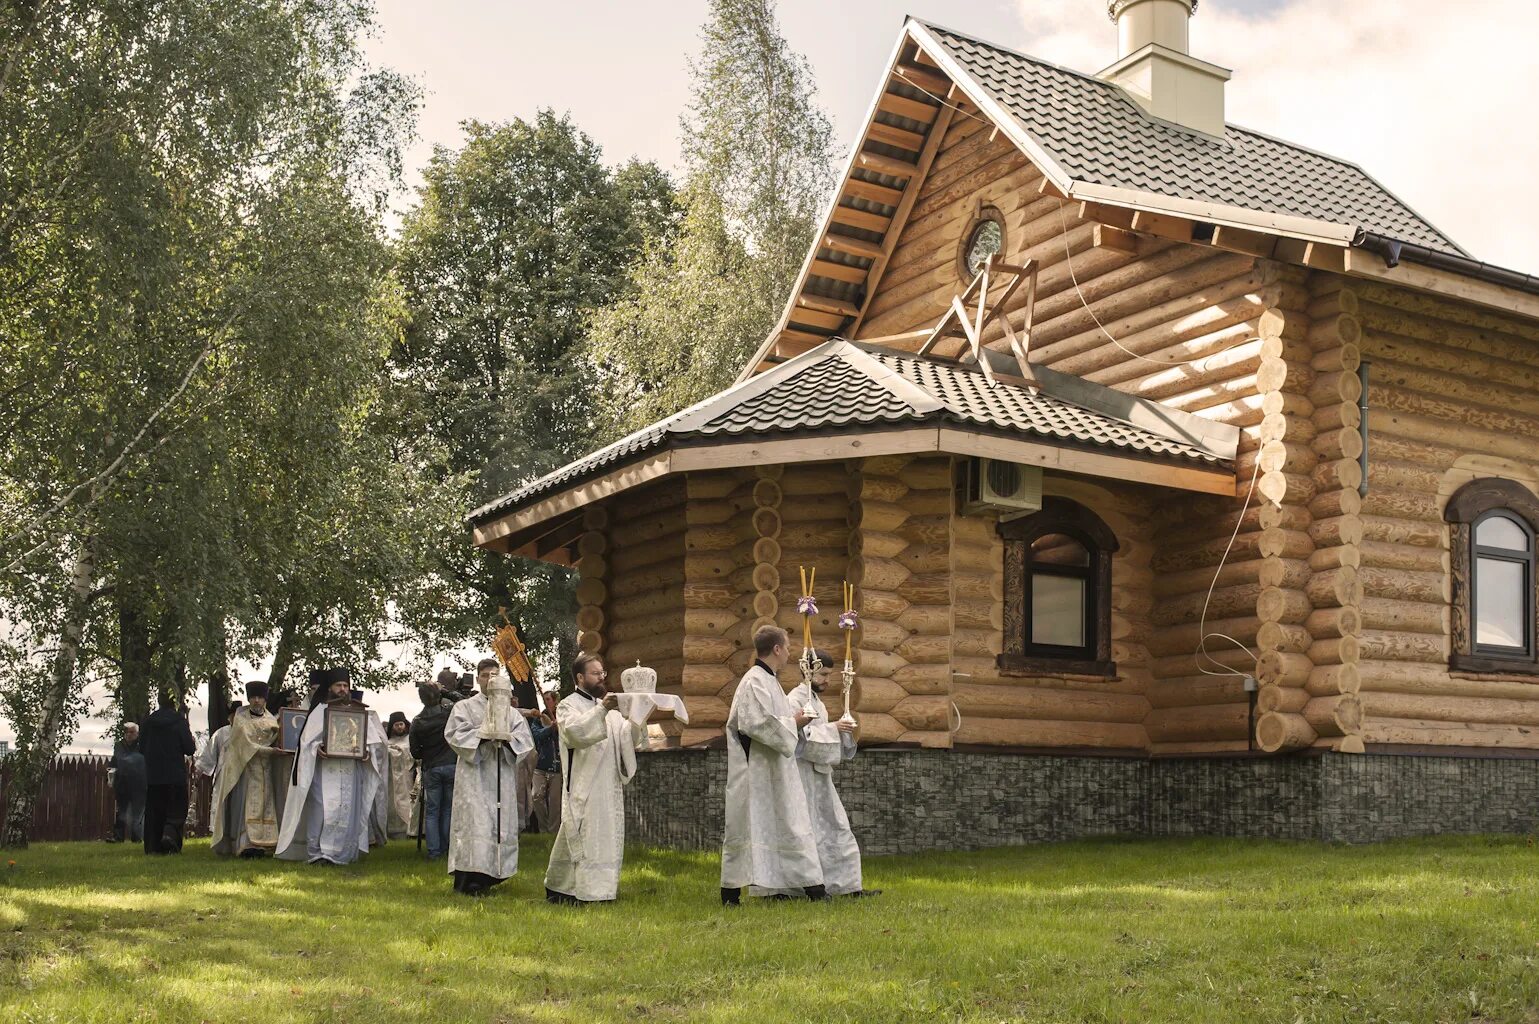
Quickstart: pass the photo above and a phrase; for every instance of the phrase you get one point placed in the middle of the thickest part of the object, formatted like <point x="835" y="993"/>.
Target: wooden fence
<point x="76" y="801"/>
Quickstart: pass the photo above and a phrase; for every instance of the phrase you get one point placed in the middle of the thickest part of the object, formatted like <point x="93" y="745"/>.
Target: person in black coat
<point x="437" y="759"/>
<point x="128" y="786"/>
<point x="167" y="743"/>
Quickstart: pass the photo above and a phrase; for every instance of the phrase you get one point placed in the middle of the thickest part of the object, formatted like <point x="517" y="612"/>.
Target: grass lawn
<point x="1201" y="930"/>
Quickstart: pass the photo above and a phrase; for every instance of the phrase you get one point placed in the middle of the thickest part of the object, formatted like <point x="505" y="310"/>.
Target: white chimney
<point x="1155" y="69"/>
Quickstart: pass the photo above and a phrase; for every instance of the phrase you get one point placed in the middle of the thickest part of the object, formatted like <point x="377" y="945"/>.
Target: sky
<point x="1433" y="98"/>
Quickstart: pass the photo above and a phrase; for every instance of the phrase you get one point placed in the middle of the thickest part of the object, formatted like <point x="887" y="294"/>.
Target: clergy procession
<point x="486" y="761"/>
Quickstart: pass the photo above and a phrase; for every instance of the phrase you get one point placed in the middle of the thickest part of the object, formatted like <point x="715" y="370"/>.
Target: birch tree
<point x="158" y="161"/>
<point x="758" y="169"/>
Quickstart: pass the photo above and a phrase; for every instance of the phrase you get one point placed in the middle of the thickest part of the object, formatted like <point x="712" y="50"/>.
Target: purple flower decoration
<point x="848" y="619"/>
<point x="806" y="605"/>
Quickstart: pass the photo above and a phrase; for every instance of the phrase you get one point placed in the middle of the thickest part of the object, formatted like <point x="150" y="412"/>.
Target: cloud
<point x="1434" y="99"/>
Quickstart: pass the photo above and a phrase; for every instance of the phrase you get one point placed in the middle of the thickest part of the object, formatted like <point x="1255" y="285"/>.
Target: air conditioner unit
<point x="1001" y="486"/>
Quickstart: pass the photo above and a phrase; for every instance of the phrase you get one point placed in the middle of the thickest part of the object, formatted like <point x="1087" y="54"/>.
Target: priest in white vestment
<point x="490" y="739"/>
<point x="598" y="758"/>
<point x="208" y="758"/>
<point x="244" y="806"/>
<point x="335" y="803"/>
<point x="402" y="775"/>
<point x="767" y="844"/>
<point x="824" y="745"/>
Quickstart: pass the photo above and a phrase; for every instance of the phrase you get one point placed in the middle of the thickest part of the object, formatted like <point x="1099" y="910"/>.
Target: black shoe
<point x="816" y="893"/>
<point x="731" y="897"/>
<point x="562" y="899"/>
<point x="861" y="893"/>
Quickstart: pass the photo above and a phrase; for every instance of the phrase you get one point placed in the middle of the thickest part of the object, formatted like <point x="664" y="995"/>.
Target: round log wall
<point x="1053" y="710"/>
<point x="643" y="578"/>
<point x="902" y="568"/>
<point x="722" y="508"/>
<point x="1451" y="398"/>
<point x="1253" y="372"/>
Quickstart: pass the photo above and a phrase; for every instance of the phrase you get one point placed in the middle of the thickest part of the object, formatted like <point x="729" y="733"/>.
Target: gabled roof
<point x="1096" y="135"/>
<point x="1094" y="146"/>
<point x="842" y="384"/>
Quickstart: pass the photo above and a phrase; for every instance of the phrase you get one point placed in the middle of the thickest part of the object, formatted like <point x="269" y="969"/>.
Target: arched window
<point x="1057" y="592"/>
<point x="1492" y="557"/>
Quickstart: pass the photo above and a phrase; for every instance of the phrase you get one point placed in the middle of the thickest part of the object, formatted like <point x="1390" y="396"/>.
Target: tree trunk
<point x="283" y="654"/>
<point x="219" y="689"/>
<point x="134" y="654"/>
<point x="32" y="759"/>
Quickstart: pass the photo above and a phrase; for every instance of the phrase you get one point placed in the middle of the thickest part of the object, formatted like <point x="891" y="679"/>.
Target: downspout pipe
<point x="1362" y="427"/>
<point x="1394" y="252"/>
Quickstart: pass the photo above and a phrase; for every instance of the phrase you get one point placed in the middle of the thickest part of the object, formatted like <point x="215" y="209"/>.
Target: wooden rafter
<point x="972" y="313"/>
<point x="900" y="215"/>
<point x="807" y="312"/>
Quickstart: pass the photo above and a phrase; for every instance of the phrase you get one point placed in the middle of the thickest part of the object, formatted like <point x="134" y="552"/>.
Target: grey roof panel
<point x="833" y="386"/>
<point x="970" y="399"/>
<point x="1100" y="136"/>
<point x="830" y="393"/>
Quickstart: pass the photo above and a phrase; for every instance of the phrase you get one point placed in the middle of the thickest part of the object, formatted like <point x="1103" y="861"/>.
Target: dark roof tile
<point x="840" y="385"/>
<point x="1100" y="136"/>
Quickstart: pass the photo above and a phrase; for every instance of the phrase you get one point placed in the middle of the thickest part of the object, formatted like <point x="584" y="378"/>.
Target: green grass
<point x="1202" y="930"/>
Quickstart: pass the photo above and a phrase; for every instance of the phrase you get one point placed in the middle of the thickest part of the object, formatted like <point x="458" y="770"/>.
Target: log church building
<point x="1187" y="478"/>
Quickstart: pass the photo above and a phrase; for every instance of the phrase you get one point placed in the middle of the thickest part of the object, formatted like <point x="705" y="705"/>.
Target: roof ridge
<point x="1363" y="204"/>
<point x="1015" y="53"/>
<point x="919" y="399"/>
<point x="722" y="402"/>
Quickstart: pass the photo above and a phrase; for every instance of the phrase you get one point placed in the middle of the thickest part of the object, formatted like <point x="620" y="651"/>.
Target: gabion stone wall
<point x="907" y="801"/>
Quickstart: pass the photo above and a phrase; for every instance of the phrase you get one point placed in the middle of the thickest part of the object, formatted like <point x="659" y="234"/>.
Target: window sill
<point x="1064" y="668"/>
<point x="1521" y="670"/>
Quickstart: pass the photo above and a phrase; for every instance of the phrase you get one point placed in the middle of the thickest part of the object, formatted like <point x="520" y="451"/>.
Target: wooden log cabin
<point x="1138" y="433"/>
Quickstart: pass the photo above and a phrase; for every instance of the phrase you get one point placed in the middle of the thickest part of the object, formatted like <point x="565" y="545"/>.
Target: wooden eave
<point x="904" y="125"/>
<point x="546" y="528"/>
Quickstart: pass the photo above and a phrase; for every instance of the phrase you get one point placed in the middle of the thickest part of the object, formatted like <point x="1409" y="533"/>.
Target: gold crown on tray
<point x="639" y="679"/>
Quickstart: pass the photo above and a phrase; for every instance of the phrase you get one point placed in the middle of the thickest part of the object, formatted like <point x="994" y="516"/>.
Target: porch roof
<point x="844" y="395"/>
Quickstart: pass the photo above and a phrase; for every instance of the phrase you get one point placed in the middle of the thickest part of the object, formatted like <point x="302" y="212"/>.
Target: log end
<point x="1277" y="732"/>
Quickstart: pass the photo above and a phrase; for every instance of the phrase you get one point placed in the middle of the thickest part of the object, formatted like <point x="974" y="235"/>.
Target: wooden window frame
<point x="1022" y="658"/>
<point x="1471" y="505"/>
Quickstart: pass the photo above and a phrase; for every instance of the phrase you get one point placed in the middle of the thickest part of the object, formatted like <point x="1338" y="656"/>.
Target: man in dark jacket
<point x="128" y="786"/>
<point x="545" y="789"/>
<point x="428" y="746"/>
<point x="167" y="743"/>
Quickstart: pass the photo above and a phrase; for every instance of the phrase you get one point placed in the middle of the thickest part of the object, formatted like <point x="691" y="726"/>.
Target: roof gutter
<point x="1393" y="251"/>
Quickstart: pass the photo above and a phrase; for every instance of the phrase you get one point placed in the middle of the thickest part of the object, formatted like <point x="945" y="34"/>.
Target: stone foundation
<point x="907" y="801"/>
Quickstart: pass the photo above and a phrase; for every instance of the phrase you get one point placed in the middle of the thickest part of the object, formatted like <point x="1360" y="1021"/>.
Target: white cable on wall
<point x="1201" y="363"/>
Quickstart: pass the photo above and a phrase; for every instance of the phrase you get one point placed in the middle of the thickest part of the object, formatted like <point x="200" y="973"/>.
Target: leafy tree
<point x="520" y="235"/>
<point x="758" y="157"/>
<point x="191" y="280"/>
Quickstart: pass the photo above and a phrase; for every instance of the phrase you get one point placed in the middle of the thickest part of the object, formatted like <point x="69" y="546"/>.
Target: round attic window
<point x="984" y="239"/>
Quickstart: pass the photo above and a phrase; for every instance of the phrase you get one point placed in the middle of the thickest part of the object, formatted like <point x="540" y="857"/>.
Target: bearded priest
<point x="767" y="843"/>
<point x="598" y="759"/>
<point x="826" y="744"/>
<point x="336" y="796"/>
<point x="245" y="801"/>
